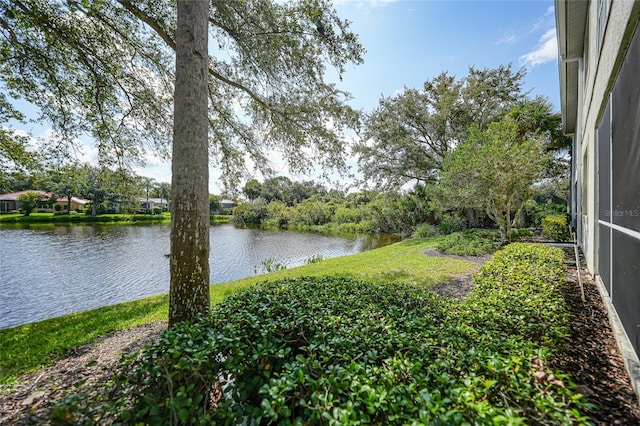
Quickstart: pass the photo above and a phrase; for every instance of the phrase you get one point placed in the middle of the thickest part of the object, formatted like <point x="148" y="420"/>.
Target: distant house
<point x="162" y="203"/>
<point x="10" y="202"/>
<point x="599" y="67"/>
<point x="227" y="204"/>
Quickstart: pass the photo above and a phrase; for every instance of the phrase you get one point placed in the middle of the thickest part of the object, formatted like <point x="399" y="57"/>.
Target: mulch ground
<point x="590" y="356"/>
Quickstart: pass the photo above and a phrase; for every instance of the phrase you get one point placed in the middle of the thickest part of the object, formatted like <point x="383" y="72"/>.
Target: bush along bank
<point x="76" y="218"/>
<point x="332" y="350"/>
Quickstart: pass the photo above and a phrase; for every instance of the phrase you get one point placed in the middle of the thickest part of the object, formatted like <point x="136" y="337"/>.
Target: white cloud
<point x="88" y="154"/>
<point x="155" y="168"/>
<point x="545" y="51"/>
<point x="508" y="39"/>
<point x="366" y="3"/>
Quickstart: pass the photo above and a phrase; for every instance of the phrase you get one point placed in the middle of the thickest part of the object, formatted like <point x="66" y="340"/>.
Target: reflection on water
<point x="47" y="271"/>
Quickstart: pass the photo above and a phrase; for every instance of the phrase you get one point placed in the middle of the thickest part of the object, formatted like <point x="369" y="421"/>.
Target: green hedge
<point x="81" y="218"/>
<point x="555" y="227"/>
<point x="75" y="218"/>
<point x="337" y="351"/>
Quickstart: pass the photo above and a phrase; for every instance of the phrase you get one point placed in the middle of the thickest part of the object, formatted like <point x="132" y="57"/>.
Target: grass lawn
<point x="26" y="348"/>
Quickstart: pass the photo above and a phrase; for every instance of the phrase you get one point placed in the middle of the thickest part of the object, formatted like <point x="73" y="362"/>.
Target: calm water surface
<point x="50" y="271"/>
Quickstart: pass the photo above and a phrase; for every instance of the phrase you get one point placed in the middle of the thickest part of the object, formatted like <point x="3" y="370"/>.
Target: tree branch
<point x="172" y="44"/>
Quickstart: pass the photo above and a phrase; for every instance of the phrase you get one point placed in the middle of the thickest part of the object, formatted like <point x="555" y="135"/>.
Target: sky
<point x="408" y="42"/>
<point x="411" y="41"/>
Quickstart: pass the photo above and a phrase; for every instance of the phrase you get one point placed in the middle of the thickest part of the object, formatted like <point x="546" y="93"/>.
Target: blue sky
<point x="411" y="41"/>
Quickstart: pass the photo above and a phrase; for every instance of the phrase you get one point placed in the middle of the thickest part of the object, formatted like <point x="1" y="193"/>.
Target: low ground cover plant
<point x="334" y="350"/>
<point x="28" y="347"/>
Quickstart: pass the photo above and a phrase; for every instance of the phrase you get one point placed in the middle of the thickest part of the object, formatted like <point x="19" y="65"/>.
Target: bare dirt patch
<point x="460" y="285"/>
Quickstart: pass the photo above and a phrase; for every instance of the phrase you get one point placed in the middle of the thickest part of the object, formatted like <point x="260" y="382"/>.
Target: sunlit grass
<point x="28" y="347"/>
<point x="403" y="262"/>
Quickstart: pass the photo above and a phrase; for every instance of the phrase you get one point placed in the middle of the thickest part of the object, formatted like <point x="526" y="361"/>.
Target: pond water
<point x="55" y="270"/>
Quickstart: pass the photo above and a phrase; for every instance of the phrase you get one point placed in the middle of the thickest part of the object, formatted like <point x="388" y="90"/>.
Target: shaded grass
<point x="28" y="347"/>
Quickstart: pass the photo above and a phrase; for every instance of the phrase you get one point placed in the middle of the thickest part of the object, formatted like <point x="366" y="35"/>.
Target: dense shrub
<point x="536" y="212"/>
<point x="278" y="214"/>
<point x="312" y="212"/>
<point x="425" y="230"/>
<point x="386" y="216"/>
<point x="364" y="227"/>
<point x="254" y="212"/>
<point x="338" y="351"/>
<point x="389" y="212"/>
<point x="346" y="214"/>
<point x="524" y="278"/>
<point x="452" y="223"/>
<point x="472" y="242"/>
<point x="555" y="227"/>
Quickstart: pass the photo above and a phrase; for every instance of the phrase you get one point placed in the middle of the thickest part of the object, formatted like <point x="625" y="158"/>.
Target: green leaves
<point x="87" y="67"/>
<point x="472" y="242"/>
<point x="494" y="170"/>
<point x="555" y="227"/>
<point x="106" y="68"/>
<point x="29" y="201"/>
<point x="410" y="134"/>
<point x="333" y="350"/>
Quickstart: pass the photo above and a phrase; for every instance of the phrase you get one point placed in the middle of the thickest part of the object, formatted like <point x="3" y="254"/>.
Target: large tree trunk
<point x="473" y="218"/>
<point x="189" y="287"/>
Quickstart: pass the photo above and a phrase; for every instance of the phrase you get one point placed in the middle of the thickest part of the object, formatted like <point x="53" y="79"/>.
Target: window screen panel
<point x="626" y="140"/>
<point x="626" y="287"/>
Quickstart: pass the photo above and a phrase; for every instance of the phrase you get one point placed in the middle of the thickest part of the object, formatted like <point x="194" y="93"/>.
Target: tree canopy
<point x="494" y="170"/>
<point x="408" y="135"/>
<point x="105" y="68"/>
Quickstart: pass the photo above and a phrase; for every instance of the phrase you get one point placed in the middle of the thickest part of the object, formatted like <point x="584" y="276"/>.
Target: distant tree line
<point x="479" y="143"/>
<point x="100" y="185"/>
<point x="368" y="211"/>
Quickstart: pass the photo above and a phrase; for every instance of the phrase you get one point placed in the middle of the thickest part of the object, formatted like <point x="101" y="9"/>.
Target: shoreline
<point x="10" y="220"/>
